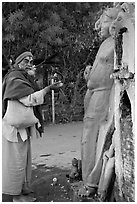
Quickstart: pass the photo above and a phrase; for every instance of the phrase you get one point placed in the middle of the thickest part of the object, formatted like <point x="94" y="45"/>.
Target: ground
<point x="44" y="188"/>
<point x="51" y="157"/>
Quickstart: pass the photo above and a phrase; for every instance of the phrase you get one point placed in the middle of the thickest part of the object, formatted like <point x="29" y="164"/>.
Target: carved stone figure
<point x="126" y="19"/>
<point x="123" y="29"/>
<point x="75" y="174"/>
<point x="98" y="104"/>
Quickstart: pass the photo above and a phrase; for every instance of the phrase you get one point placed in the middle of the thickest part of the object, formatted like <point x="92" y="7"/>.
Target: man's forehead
<point x="28" y="58"/>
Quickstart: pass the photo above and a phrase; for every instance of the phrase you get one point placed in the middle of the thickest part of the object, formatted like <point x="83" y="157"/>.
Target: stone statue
<point x="126" y="19"/>
<point x="75" y="174"/>
<point x="123" y="29"/>
<point x="98" y="105"/>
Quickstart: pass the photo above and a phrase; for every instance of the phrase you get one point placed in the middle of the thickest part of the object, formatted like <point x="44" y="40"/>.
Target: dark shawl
<point x="18" y="84"/>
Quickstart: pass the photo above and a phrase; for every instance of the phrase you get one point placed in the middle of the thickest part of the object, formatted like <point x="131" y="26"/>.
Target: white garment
<point x="10" y="132"/>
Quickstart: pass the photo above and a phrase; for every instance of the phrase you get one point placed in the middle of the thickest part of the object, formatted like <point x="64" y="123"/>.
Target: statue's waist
<point x="97" y="103"/>
<point x="91" y="91"/>
<point x="100" y="89"/>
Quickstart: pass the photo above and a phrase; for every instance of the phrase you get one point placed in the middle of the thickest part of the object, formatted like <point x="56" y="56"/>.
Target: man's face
<point x="27" y="64"/>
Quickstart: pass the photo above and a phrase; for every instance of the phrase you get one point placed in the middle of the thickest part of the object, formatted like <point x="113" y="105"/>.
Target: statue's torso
<point x="99" y="83"/>
<point x="103" y="66"/>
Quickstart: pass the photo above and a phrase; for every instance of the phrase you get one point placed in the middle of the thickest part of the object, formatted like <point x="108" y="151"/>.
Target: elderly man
<point x="19" y="85"/>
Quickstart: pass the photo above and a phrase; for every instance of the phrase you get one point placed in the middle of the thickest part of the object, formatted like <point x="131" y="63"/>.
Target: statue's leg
<point x="90" y="134"/>
<point x="106" y="127"/>
<point x="94" y="176"/>
<point x="107" y="177"/>
<point x="106" y="156"/>
<point x="106" y="130"/>
<point x="94" y="139"/>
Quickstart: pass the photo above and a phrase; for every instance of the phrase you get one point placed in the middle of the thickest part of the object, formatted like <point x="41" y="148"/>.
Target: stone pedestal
<point x="74" y="188"/>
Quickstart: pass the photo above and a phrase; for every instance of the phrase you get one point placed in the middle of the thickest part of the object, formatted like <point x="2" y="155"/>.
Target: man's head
<point x="25" y="62"/>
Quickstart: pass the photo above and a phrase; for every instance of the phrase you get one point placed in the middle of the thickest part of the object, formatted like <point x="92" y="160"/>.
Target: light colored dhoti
<point x="96" y="125"/>
<point x="16" y="165"/>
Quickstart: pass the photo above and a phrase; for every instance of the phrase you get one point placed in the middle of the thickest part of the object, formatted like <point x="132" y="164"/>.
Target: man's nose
<point x="29" y="63"/>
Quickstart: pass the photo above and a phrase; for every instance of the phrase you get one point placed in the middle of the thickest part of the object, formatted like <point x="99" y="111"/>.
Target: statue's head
<point x="106" y="19"/>
<point x="124" y="18"/>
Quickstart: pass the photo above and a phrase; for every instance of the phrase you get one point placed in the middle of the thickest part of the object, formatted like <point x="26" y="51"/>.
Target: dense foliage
<point x="62" y="32"/>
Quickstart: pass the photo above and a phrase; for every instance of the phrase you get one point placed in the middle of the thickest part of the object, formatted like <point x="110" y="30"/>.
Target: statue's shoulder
<point x="108" y="43"/>
<point x="106" y="49"/>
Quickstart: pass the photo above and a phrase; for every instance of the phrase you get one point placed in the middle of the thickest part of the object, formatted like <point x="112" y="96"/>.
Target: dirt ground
<point x="51" y="157"/>
<point x="44" y="188"/>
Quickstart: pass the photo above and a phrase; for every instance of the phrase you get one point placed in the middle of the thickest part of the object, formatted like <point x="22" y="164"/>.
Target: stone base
<point x="74" y="188"/>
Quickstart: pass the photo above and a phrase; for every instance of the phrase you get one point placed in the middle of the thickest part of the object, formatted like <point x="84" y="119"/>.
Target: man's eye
<point x="26" y="61"/>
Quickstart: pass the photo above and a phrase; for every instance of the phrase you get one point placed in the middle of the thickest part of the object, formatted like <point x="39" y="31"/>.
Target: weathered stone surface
<point x="74" y="194"/>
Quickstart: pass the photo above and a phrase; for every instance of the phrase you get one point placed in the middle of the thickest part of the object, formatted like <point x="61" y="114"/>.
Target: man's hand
<point x="56" y="85"/>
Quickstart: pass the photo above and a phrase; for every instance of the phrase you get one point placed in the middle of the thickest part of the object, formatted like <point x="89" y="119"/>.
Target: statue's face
<point x="117" y="24"/>
<point x="27" y="64"/>
<point x="105" y="24"/>
<point x="106" y="20"/>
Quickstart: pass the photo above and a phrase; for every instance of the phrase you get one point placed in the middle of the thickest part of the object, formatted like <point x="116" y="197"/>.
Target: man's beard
<point x="31" y="72"/>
